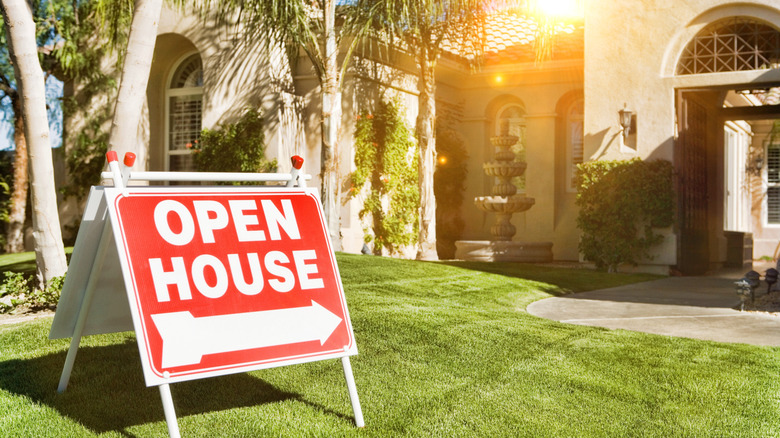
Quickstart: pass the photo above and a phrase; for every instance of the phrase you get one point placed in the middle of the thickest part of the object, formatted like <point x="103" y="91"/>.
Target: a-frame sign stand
<point x="213" y="280"/>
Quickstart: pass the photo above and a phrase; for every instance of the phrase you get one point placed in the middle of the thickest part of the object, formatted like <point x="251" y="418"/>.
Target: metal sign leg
<point x="353" y="396"/>
<point x="170" y="412"/>
<point x="97" y="265"/>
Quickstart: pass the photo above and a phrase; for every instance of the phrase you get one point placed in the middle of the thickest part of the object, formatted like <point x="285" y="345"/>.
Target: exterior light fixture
<point x="755" y="167"/>
<point x="746" y="287"/>
<point x="770" y="276"/>
<point x="627" y="122"/>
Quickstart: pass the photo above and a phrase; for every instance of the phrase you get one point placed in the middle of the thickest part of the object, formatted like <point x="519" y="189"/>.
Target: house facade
<point x="698" y="76"/>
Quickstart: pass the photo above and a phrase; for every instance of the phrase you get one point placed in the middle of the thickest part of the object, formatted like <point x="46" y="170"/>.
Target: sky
<point x="53" y="94"/>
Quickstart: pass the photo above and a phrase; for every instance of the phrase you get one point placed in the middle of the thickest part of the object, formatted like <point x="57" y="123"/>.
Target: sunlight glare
<point x="560" y="8"/>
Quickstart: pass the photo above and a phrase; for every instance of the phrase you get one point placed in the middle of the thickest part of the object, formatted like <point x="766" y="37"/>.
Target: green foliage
<point x="19" y="287"/>
<point x="86" y="157"/>
<point x="386" y="165"/>
<point x="15" y="283"/>
<point x="445" y="351"/>
<point x="80" y="57"/>
<point x="621" y="203"/>
<point x="233" y="147"/>
<point x="6" y="184"/>
<point x="448" y="187"/>
<point x="72" y="48"/>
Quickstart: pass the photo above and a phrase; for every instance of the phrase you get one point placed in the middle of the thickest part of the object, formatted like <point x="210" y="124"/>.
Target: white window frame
<point x="736" y="144"/>
<point x="767" y="185"/>
<point x="177" y="92"/>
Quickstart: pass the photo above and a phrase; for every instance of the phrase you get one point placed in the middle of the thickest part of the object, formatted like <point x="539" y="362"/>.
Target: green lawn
<point x="446" y="350"/>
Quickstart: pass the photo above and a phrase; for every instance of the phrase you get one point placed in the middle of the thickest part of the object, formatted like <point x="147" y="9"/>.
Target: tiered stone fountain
<point x="504" y="202"/>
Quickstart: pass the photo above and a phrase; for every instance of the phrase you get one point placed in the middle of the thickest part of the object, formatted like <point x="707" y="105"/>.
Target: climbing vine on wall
<point x="386" y="171"/>
<point x="622" y="204"/>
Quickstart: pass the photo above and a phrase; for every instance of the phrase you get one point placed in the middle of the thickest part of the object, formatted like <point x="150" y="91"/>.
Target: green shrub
<point x="386" y="164"/>
<point x="621" y="203"/>
<point x="19" y="287"/>
<point x="233" y="147"/>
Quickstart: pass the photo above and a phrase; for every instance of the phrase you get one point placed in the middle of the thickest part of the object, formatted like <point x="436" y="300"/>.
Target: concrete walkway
<point x="690" y="307"/>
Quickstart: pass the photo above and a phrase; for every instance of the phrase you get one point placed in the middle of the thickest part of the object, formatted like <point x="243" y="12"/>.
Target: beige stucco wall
<point x="538" y="89"/>
<point x="631" y="52"/>
<point x="237" y="74"/>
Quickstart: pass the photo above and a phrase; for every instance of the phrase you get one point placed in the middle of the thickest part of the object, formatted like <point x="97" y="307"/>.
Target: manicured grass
<point x="22" y="262"/>
<point x="446" y="350"/>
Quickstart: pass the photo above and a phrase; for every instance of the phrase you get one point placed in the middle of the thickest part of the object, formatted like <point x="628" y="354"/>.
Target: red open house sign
<point x="228" y="280"/>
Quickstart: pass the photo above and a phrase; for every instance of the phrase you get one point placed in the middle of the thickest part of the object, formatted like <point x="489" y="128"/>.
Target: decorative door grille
<point x="735" y="44"/>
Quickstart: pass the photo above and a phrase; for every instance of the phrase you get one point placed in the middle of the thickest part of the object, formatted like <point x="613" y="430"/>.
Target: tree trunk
<point x="20" y="30"/>
<point x="135" y="77"/>
<point x="15" y="236"/>
<point x="331" y="124"/>
<point x="426" y="118"/>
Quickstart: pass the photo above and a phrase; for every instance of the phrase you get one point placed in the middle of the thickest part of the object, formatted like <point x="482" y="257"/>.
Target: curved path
<point x="691" y="307"/>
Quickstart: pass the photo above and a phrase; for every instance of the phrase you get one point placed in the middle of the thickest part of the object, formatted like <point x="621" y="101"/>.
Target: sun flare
<point x="560" y="8"/>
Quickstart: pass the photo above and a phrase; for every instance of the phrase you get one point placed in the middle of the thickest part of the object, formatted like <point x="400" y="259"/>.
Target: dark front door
<point x="691" y="164"/>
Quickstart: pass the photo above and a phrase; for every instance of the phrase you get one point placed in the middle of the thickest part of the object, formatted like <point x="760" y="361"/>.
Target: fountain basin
<point x="504" y="204"/>
<point x="504" y="141"/>
<point x="506" y="169"/>
<point x="503" y="251"/>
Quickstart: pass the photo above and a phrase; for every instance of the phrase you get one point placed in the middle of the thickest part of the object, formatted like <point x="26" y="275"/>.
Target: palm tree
<point x="20" y="31"/>
<point x="54" y="16"/>
<point x="135" y="70"/>
<point x="424" y="26"/>
<point x="323" y="30"/>
<point x="15" y="237"/>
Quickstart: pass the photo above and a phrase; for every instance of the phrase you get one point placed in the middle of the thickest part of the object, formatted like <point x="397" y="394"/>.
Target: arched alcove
<point x="183" y="112"/>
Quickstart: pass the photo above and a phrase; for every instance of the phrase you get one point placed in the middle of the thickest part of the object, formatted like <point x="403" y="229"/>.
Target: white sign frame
<point x="91" y="280"/>
<point x="152" y="374"/>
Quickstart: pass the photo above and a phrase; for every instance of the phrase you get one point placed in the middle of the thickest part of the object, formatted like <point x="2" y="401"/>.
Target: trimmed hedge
<point x="621" y="204"/>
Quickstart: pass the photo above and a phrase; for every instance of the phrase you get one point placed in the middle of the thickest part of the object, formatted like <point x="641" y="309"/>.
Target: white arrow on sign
<point x="187" y="339"/>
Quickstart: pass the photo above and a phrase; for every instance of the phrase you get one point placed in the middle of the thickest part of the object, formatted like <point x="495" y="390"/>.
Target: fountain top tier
<point x="504" y="168"/>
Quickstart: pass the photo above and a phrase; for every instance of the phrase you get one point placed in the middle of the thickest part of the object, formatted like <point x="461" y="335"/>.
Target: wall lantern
<point x="755" y="167"/>
<point x="627" y="122"/>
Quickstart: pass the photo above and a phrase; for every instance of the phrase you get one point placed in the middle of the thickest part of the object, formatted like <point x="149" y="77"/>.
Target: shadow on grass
<point x="107" y="391"/>
<point x="24" y="262"/>
<point x="563" y="280"/>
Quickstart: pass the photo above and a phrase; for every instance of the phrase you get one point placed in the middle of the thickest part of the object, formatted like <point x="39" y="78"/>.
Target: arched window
<point x="184" y="107"/>
<point x="574" y="145"/>
<point x="514" y="116"/>
<point x="734" y="44"/>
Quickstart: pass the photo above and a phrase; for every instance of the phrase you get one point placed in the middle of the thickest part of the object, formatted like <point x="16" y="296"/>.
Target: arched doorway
<point x="715" y="125"/>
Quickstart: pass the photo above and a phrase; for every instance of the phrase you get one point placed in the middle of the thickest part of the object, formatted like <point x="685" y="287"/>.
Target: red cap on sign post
<point x="111" y="156"/>
<point x="129" y="159"/>
<point x="297" y="161"/>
